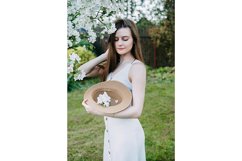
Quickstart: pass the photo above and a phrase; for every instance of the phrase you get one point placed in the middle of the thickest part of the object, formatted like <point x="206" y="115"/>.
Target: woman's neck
<point x="126" y="58"/>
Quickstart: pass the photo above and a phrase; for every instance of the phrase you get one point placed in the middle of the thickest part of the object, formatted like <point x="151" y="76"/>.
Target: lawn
<point x="85" y="131"/>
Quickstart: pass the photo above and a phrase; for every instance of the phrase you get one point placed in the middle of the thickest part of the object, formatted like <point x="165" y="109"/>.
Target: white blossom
<point x="87" y="15"/>
<point x="70" y="68"/>
<point x="112" y="29"/>
<point x="74" y="57"/>
<point x="72" y="63"/>
<point x="104" y="99"/>
<point x="69" y="43"/>
<point x="80" y="75"/>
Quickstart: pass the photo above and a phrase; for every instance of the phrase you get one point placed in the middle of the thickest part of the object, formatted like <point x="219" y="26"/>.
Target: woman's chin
<point x="121" y="52"/>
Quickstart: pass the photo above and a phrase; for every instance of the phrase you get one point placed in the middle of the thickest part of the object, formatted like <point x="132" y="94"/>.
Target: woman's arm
<point x="137" y="77"/>
<point x="96" y="71"/>
<point x="88" y="67"/>
<point x="138" y="92"/>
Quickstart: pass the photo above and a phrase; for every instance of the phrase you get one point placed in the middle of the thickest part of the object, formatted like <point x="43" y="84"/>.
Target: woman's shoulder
<point x="137" y="71"/>
<point x="137" y="66"/>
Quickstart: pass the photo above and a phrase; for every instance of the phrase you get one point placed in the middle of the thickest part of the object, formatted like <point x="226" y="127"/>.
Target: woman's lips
<point x="121" y="48"/>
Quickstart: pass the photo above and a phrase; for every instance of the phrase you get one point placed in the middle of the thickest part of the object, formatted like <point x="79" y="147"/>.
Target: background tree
<point x="158" y="18"/>
<point x="168" y="29"/>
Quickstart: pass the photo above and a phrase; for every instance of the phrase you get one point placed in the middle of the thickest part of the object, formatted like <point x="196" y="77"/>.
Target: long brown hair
<point x="113" y="56"/>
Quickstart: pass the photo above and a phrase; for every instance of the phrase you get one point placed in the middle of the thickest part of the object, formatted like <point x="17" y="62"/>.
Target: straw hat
<point x="120" y="96"/>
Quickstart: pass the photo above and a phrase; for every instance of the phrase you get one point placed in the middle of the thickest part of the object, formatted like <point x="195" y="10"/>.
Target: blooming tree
<point x="84" y="16"/>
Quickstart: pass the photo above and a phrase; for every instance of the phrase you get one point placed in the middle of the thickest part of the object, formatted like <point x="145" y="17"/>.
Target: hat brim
<point x="120" y="95"/>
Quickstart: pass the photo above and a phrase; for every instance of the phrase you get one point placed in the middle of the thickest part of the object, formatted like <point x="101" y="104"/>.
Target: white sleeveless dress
<point x="124" y="139"/>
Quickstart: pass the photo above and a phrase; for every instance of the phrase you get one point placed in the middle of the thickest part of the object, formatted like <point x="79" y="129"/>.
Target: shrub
<point x="84" y="55"/>
<point x="161" y="74"/>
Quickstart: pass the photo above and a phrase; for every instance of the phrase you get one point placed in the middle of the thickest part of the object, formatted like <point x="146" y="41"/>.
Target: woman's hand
<point x="90" y="65"/>
<point x="90" y="109"/>
<point x="96" y="71"/>
<point x="87" y="107"/>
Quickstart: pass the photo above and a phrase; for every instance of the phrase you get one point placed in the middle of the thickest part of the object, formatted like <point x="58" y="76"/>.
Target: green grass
<point x="85" y="131"/>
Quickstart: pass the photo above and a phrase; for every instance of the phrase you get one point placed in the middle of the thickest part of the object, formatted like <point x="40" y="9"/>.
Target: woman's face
<point x="123" y="41"/>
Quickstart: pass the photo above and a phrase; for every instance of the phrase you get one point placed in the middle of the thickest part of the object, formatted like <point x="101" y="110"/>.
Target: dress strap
<point x="133" y="61"/>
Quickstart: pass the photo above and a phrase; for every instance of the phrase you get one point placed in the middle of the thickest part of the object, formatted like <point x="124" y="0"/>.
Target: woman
<point x="124" y="136"/>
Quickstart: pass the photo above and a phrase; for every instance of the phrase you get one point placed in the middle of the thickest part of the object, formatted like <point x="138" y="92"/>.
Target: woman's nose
<point x="119" y="42"/>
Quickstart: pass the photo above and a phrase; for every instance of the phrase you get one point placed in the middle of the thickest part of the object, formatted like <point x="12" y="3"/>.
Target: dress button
<point x="109" y="152"/>
<point x="106" y="130"/>
<point x="106" y="118"/>
<point x="108" y="141"/>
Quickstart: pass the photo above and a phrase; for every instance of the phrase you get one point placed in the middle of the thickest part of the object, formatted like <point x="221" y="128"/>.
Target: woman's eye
<point x="123" y="39"/>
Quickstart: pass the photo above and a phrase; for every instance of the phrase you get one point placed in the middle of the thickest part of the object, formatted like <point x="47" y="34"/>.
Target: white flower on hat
<point x="104" y="99"/>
